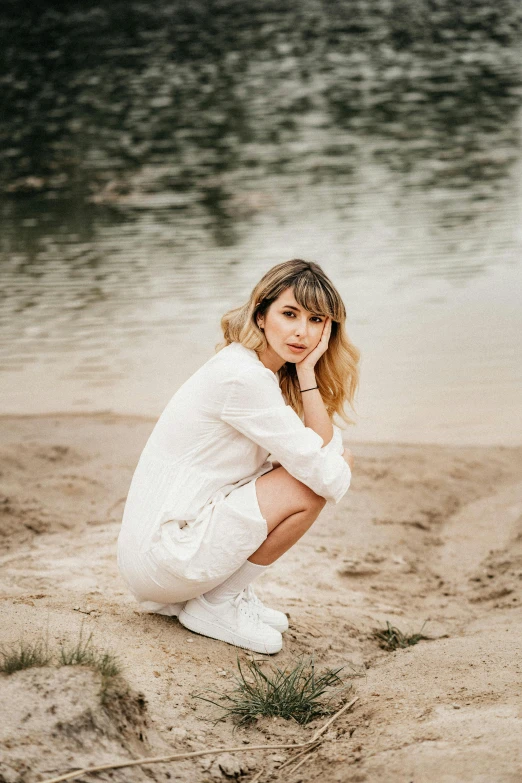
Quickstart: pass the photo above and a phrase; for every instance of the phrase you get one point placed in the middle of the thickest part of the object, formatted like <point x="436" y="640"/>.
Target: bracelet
<point x="310" y="389"/>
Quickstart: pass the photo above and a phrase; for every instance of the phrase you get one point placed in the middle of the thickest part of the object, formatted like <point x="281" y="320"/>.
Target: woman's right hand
<point x="348" y="457"/>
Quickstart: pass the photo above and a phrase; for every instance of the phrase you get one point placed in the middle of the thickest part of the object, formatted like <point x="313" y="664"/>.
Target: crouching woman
<point x="242" y="460"/>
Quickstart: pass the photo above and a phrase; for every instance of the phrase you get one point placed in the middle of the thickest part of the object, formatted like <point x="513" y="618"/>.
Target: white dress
<point x="191" y="517"/>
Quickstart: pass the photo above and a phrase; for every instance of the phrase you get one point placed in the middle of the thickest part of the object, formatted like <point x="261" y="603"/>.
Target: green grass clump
<point x="24" y="655"/>
<point x="391" y="638"/>
<point x="296" y="693"/>
<point x="83" y="653"/>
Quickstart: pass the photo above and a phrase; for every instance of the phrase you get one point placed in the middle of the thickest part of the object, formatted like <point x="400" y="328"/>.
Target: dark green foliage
<point x="24" y="655"/>
<point x="295" y="692"/>
<point x="391" y="638"/>
<point x="84" y="654"/>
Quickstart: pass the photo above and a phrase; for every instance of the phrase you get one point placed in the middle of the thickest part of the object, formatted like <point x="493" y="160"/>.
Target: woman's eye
<point x="316" y="318"/>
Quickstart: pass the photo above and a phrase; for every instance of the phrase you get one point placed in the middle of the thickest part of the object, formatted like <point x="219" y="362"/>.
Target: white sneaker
<point x="235" y="622"/>
<point x="273" y="617"/>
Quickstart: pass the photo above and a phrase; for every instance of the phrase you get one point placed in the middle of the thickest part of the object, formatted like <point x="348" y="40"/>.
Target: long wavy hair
<point x="337" y="369"/>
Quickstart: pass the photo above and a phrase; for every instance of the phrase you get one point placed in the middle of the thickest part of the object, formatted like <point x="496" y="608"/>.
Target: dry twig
<point x="197" y="753"/>
<point x="297" y="756"/>
<point x="299" y="763"/>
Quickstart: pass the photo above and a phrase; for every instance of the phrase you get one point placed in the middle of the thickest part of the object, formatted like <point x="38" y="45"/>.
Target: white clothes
<point x="191" y="516"/>
<point x="236" y="583"/>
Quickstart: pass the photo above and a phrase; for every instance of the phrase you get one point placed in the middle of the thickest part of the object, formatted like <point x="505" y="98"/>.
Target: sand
<point x="426" y="534"/>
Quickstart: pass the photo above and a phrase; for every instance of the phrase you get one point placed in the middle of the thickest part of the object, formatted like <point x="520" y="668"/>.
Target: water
<point x="157" y="159"/>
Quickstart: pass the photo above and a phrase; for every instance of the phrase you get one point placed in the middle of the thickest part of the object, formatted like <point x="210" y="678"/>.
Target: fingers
<point x="327" y="329"/>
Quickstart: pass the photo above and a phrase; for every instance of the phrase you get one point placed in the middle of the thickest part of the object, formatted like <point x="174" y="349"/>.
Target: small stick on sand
<point x="299" y="763"/>
<point x="297" y="756"/>
<point x="195" y="754"/>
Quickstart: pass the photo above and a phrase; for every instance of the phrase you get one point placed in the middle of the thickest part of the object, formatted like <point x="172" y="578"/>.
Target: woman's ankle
<point x="235" y="583"/>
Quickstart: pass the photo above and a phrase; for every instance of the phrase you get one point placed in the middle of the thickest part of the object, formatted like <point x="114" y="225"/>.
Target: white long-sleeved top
<point x="216" y="434"/>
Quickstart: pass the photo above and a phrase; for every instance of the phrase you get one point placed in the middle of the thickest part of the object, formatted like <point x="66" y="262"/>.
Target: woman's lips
<point x="296" y="348"/>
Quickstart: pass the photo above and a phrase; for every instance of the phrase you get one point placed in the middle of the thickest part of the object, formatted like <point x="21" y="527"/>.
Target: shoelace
<point x="251" y="597"/>
<point x="242" y="604"/>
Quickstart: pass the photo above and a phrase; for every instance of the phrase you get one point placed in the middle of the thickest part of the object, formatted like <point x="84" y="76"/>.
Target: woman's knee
<point x="280" y="495"/>
<point x="315" y="502"/>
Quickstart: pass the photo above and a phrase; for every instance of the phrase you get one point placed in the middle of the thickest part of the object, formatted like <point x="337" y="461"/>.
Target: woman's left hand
<point x="310" y="360"/>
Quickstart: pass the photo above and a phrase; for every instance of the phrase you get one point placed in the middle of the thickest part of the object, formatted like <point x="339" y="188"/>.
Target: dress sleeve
<point x="254" y="405"/>
<point x="336" y="444"/>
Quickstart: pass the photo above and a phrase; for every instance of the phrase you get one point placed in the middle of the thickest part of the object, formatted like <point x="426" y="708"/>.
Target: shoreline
<point x="363" y="442"/>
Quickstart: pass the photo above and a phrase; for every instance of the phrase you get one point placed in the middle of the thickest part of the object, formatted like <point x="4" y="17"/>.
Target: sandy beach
<point x="426" y="534"/>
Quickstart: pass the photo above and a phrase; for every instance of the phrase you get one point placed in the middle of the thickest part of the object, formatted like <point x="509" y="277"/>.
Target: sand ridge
<point x="426" y="533"/>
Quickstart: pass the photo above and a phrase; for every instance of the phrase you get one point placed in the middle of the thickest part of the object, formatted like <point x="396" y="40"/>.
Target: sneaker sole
<point x="215" y="631"/>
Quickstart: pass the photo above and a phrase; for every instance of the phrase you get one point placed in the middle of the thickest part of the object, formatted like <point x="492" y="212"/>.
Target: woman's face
<point x="291" y="332"/>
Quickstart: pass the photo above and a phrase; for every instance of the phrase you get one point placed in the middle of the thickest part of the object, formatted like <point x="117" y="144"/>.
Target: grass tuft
<point x="84" y="654"/>
<point x="79" y="654"/>
<point x="108" y="665"/>
<point x="24" y="655"/>
<point x="296" y="692"/>
<point x="391" y="638"/>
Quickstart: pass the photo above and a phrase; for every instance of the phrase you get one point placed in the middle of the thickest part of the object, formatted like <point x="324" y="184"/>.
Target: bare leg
<point x="289" y="508"/>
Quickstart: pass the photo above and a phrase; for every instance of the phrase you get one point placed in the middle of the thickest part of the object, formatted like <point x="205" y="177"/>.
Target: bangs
<point x="313" y="295"/>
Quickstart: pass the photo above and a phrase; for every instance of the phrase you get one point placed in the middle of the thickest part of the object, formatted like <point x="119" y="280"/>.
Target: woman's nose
<point x="300" y="328"/>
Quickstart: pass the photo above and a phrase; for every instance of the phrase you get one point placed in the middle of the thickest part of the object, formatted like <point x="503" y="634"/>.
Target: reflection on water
<point x="157" y="157"/>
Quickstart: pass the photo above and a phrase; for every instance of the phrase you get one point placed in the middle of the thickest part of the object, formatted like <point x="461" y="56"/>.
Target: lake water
<point x="157" y="158"/>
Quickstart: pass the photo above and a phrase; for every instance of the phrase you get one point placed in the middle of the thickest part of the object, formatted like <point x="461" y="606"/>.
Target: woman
<point x="231" y="477"/>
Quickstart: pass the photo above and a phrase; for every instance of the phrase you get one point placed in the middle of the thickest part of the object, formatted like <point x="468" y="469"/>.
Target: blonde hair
<point x="337" y="369"/>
